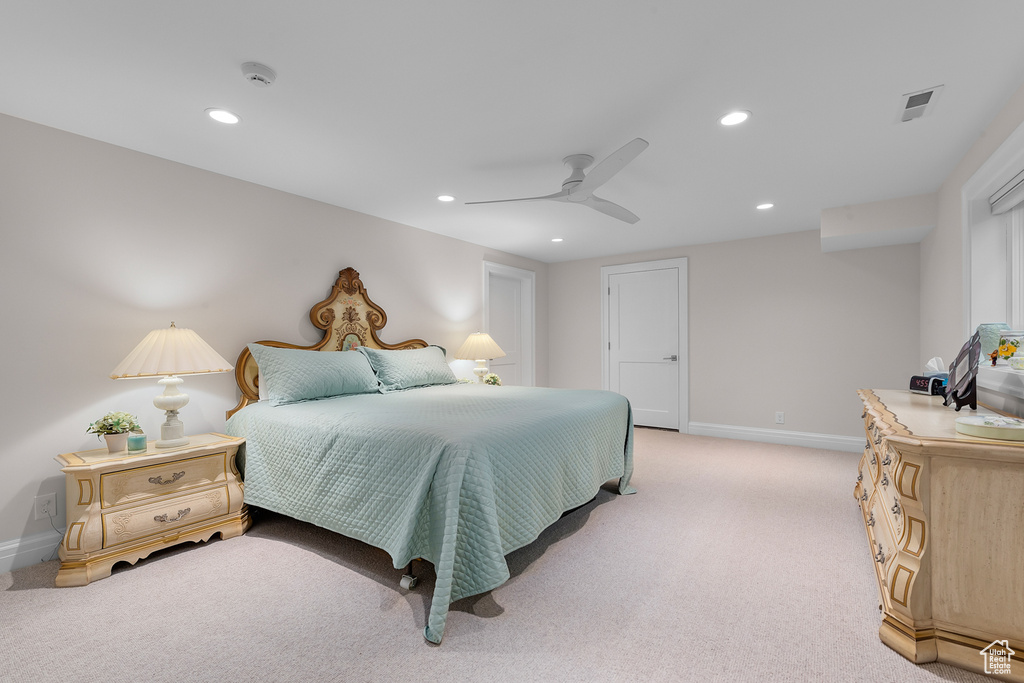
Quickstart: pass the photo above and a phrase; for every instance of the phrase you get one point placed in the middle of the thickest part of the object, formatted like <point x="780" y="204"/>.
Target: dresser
<point x="123" y="506"/>
<point x="944" y="516"/>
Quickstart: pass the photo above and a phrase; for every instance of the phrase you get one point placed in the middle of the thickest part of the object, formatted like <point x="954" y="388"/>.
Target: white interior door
<point x="508" y="318"/>
<point x="645" y="349"/>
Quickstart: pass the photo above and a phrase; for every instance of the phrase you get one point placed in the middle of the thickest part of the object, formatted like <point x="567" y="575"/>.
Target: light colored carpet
<point x="736" y="561"/>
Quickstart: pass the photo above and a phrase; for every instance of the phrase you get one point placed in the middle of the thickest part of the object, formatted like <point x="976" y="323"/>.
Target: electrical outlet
<point x="45" y="506"/>
<point x="780" y="418"/>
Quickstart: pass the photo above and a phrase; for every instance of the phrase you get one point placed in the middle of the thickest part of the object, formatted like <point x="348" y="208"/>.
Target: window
<point x="993" y="243"/>
<point x="994" y="238"/>
<point x="1015" y="267"/>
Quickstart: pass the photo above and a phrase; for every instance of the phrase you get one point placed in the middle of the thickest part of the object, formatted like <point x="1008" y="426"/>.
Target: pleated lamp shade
<point x="479" y="346"/>
<point x="170" y="351"/>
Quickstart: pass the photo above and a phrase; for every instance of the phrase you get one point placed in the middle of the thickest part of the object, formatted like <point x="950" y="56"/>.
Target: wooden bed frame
<point x="348" y="318"/>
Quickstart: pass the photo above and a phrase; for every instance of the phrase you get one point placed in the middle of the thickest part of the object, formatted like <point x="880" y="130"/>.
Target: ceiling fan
<point x="579" y="188"/>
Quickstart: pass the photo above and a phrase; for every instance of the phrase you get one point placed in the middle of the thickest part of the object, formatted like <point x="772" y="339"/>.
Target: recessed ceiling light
<point x="556" y="239"/>
<point x="445" y="198"/>
<point x="734" y="117"/>
<point x="223" y="115"/>
<point x="765" y="206"/>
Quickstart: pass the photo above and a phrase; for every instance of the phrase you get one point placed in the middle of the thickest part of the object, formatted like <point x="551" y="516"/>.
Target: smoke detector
<point x="260" y="75"/>
<point x="914" y="105"/>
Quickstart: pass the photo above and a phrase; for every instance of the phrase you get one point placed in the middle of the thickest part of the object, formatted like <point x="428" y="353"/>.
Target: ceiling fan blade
<point x="556" y="196"/>
<point x="610" y="209"/>
<point x="611" y="165"/>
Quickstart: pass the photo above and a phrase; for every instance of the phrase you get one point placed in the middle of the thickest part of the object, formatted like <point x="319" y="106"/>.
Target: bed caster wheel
<point x="409" y="581"/>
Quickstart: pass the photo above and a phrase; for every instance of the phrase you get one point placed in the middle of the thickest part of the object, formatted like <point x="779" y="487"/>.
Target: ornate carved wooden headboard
<point x="348" y="318"/>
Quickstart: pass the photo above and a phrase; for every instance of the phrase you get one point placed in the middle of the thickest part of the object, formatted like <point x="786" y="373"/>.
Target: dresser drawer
<point x="866" y="477"/>
<point x="890" y="458"/>
<point x="884" y="547"/>
<point x="872" y="462"/>
<point x="161" y="517"/>
<point x="889" y="499"/>
<point x="143" y="483"/>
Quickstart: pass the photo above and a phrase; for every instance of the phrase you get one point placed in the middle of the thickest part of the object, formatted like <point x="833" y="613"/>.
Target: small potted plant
<point x="115" y="427"/>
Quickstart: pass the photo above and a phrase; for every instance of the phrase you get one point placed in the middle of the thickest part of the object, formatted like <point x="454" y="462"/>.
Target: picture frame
<point x="962" y="388"/>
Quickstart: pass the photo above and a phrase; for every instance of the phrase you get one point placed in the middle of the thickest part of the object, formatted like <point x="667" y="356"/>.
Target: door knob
<point x="672" y="357"/>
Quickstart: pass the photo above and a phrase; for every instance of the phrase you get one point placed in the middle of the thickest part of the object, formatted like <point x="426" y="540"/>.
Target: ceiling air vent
<point x="914" y="105"/>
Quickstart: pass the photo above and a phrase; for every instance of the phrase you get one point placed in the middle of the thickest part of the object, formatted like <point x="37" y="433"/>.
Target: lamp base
<point x="480" y="370"/>
<point x="174" y="443"/>
<point x="172" y="431"/>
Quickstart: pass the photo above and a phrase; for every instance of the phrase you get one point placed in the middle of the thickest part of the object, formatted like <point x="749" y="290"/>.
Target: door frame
<point x="683" y="366"/>
<point x="527" y="320"/>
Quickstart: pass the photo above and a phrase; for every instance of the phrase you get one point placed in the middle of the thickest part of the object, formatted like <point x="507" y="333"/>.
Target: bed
<point x="379" y="442"/>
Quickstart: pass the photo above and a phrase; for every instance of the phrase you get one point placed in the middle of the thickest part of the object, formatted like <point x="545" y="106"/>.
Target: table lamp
<point x="481" y="348"/>
<point x="167" y="353"/>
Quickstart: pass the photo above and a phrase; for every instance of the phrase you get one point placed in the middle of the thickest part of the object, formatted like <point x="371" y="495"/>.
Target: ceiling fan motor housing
<point x="576" y="162"/>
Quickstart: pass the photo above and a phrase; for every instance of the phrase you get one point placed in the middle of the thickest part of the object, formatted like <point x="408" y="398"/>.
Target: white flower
<point x="114" y="423"/>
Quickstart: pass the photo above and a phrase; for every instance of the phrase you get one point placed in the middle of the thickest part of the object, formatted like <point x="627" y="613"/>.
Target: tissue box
<point x="936" y="368"/>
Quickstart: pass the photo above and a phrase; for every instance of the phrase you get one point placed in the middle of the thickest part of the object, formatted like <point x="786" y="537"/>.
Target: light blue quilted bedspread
<point x="459" y="475"/>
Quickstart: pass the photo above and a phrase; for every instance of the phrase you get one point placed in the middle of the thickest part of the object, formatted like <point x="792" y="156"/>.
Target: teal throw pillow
<point x="293" y="375"/>
<point x="409" y="368"/>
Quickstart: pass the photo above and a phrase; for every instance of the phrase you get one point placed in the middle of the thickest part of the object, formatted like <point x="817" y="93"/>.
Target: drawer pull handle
<point x="896" y="508"/>
<point x="867" y="445"/>
<point x="871" y="519"/>
<point x="864" y="414"/>
<point x="164" y="519"/>
<point x="873" y="461"/>
<point x="159" y="481"/>
<point x="887" y="461"/>
<point x="880" y="555"/>
<point x="885" y="478"/>
<point x="864" y="496"/>
<point x="878" y="439"/>
<point x="860" y="476"/>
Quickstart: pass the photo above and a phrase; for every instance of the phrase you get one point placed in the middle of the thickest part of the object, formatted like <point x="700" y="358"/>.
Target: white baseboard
<point x="21" y="552"/>
<point x="832" y="442"/>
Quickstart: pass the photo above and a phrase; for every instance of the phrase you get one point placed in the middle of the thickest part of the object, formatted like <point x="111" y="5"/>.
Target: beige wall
<point x="943" y="326"/>
<point x="905" y="220"/>
<point x="102" y="244"/>
<point x="774" y="324"/>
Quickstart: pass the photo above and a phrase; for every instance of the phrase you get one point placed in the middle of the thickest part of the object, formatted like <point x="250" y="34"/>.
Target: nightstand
<point x="121" y="507"/>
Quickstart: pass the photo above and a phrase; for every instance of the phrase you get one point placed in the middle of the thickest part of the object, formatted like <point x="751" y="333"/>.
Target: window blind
<point x="1008" y="196"/>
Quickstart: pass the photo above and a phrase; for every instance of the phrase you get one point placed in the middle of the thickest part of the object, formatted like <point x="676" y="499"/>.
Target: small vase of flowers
<point x="115" y="427"/>
<point x="492" y="379"/>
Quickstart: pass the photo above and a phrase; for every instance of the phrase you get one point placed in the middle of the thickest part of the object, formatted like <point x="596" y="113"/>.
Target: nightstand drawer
<point x="164" y="516"/>
<point x="142" y="483"/>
